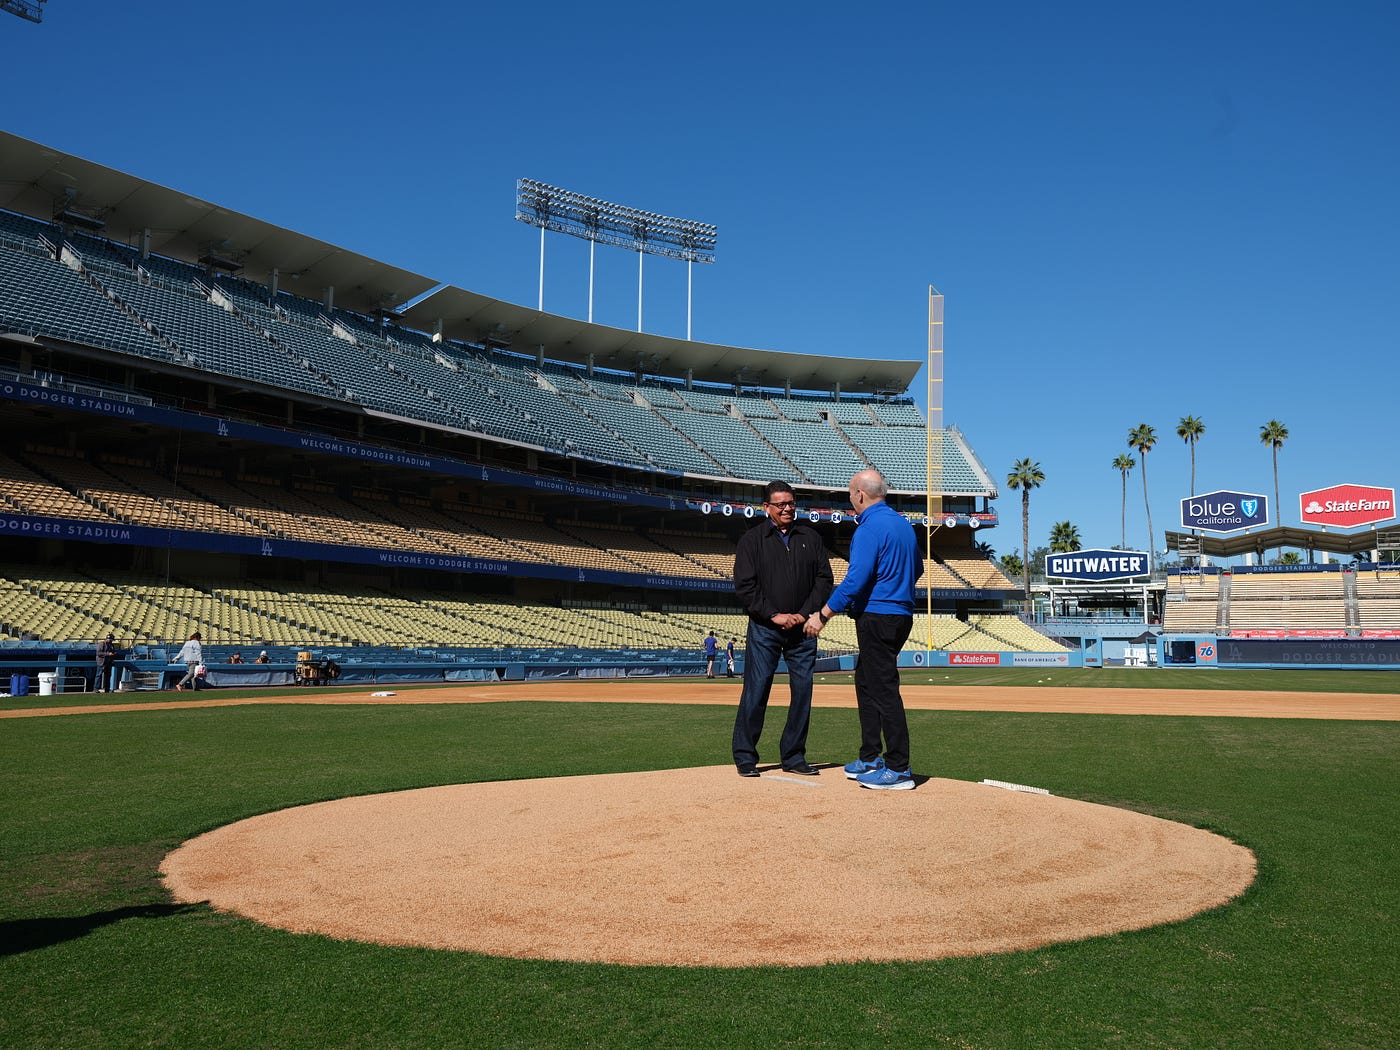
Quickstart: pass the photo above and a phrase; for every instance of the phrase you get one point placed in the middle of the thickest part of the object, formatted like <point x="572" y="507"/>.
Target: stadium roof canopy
<point x="40" y="181"/>
<point x="1281" y="536"/>
<point x="479" y="318"/>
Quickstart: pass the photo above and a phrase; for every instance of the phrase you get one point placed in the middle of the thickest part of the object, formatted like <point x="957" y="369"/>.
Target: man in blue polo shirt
<point x="878" y="592"/>
<point x="711" y="644"/>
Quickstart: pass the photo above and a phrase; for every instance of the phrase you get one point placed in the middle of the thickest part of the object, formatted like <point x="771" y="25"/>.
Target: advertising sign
<point x="974" y="659"/>
<point x="1225" y="511"/>
<point x="1097" y="565"/>
<point x="1040" y="659"/>
<point x="1346" y="506"/>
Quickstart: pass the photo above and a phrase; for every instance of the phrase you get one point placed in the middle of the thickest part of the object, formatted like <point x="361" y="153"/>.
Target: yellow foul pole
<point x="934" y="433"/>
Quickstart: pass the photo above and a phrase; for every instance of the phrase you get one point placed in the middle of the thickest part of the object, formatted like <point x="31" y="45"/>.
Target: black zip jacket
<point x="770" y="578"/>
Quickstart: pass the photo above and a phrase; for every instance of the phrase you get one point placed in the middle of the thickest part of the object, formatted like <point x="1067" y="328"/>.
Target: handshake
<point x="811" y="625"/>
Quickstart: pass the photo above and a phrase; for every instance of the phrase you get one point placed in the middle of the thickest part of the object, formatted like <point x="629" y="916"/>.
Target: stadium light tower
<point x="600" y="222"/>
<point x="29" y="9"/>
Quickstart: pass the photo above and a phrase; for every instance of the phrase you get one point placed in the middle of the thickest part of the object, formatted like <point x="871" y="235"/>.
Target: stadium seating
<point x="737" y="448"/>
<point x="42" y="297"/>
<point x="1192" y="604"/>
<point x="981" y="573"/>
<point x="901" y="453"/>
<point x="1014" y="633"/>
<point x="175" y="312"/>
<point x="799" y="410"/>
<point x="65" y="605"/>
<point x="896" y="413"/>
<point x="1297" y="602"/>
<point x="818" y="450"/>
<point x="24" y="490"/>
<point x="1378" y="601"/>
<point x="220" y="343"/>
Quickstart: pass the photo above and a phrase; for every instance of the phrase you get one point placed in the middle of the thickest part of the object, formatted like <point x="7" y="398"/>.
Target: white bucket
<point x="46" y="682"/>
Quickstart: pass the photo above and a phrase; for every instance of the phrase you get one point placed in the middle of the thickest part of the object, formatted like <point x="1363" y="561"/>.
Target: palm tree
<point x="1142" y="437"/>
<point x="1064" y="537"/>
<point x="1025" y="475"/>
<point x="1124" y="463"/>
<point x="1012" y="565"/>
<point x="1274" y="434"/>
<point x="1190" y="429"/>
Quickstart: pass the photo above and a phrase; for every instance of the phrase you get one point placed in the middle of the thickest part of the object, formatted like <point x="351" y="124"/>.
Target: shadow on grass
<point x="25" y="935"/>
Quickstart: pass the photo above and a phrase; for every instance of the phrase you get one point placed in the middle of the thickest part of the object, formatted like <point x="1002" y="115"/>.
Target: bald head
<point x="867" y="487"/>
<point x="872" y="483"/>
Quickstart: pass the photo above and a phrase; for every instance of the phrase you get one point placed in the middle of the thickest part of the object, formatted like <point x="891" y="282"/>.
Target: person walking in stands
<point x="106" y="656"/>
<point x="729" y="658"/>
<point x="191" y="655"/>
<point x="878" y="591"/>
<point x="711" y="651"/>
<point x="781" y="575"/>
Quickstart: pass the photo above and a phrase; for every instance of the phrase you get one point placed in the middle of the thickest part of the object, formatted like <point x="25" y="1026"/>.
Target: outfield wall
<point x="1207" y="650"/>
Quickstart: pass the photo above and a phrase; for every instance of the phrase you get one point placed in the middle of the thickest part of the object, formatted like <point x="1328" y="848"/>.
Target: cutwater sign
<point x="1225" y="511"/>
<point x="1097" y="565"/>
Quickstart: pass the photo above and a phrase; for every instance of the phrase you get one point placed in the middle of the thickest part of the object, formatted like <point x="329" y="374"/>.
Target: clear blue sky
<point x="1135" y="214"/>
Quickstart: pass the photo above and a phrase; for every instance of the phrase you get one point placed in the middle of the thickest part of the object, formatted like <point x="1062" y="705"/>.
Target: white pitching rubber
<point x="1015" y="787"/>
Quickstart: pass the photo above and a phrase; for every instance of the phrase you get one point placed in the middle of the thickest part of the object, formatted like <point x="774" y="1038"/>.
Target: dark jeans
<point x="880" y="705"/>
<point x="765" y="644"/>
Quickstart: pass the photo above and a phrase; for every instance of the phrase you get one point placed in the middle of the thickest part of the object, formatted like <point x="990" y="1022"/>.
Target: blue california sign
<point x="1225" y="511"/>
<point x="1097" y="565"/>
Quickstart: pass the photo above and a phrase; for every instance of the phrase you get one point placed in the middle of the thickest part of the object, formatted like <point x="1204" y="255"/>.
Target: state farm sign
<point x="977" y="659"/>
<point x="1346" y="506"/>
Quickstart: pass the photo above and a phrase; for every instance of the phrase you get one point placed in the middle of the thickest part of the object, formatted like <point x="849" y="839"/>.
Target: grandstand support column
<point x="146" y="242"/>
<point x="272" y="284"/>
<point x="330" y="298"/>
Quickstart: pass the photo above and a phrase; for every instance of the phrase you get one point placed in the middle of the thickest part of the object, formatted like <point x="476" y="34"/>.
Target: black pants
<point x="878" y="700"/>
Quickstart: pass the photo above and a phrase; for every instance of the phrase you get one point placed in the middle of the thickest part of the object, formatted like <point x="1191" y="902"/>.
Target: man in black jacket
<point x="782" y="576"/>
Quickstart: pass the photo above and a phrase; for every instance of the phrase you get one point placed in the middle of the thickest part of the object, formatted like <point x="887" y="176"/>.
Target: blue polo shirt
<point x="885" y="564"/>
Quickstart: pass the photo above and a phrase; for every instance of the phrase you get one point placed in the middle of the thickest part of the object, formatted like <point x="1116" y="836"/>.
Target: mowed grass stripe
<point x="94" y="955"/>
<point x="1377" y="682"/>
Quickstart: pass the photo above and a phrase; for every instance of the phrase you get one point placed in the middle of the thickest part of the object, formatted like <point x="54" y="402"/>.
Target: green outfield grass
<point x="1283" y="681"/>
<point x="93" y="954"/>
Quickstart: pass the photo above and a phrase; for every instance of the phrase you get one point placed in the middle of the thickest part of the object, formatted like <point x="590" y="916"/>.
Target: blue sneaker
<point x="859" y="766"/>
<point x="887" y="779"/>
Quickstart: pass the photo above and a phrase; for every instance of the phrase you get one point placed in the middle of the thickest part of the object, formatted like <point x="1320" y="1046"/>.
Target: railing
<point x="51" y="381"/>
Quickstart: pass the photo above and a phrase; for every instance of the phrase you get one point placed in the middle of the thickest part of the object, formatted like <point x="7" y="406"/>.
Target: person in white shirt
<point x="191" y="655"/>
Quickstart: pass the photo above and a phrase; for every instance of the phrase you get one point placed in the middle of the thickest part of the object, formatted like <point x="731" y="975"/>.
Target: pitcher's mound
<point x="702" y="867"/>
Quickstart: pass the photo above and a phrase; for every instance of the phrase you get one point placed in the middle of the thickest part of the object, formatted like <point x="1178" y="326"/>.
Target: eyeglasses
<point x="785" y="505"/>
